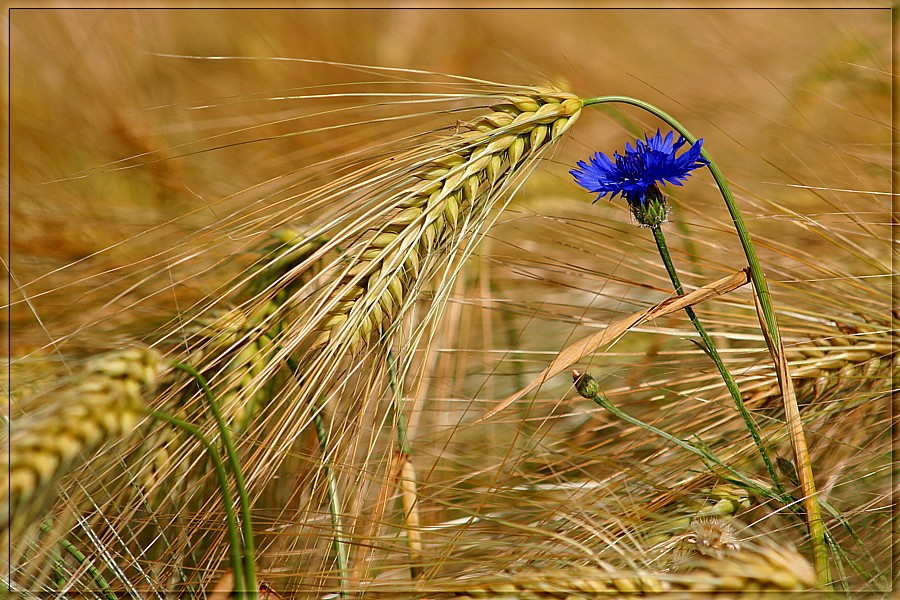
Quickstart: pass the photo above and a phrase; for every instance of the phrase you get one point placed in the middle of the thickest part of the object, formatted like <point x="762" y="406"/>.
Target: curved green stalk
<point x="756" y="273"/>
<point x="235" y="464"/>
<point x="231" y="522"/>
<point x="59" y="578"/>
<point x="587" y="387"/>
<point x="84" y="561"/>
<point x="710" y="349"/>
<point x="771" y="334"/>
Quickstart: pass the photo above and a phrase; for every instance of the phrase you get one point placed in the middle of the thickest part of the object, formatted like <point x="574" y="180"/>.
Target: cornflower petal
<point x="650" y="162"/>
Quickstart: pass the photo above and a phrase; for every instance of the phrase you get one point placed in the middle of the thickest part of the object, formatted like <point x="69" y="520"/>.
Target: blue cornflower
<point x="636" y="175"/>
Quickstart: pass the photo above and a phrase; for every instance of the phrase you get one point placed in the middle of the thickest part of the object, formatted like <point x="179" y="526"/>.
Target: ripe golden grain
<point x="472" y="168"/>
<point x="847" y="360"/>
<point x="105" y="404"/>
<point x="755" y="571"/>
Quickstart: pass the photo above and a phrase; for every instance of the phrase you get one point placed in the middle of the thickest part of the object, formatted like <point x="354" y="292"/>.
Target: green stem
<point x="59" y="578"/>
<point x="604" y="402"/>
<point x="404" y="447"/>
<point x="341" y="553"/>
<point x="713" y="353"/>
<point x="334" y="504"/>
<point x="79" y="556"/>
<point x="399" y="417"/>
<point x="235" y="464"/>
<point x="588" y="388"/>
<point x="756" y="273"/>
<point x="230" y="519"/>
<point x="795" y="426"/>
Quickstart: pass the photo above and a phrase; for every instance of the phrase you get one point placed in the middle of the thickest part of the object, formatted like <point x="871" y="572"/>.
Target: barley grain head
<point x="103" y="405"/>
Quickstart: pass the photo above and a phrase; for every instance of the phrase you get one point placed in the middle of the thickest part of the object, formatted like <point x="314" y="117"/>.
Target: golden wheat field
<point x="295" y="298"/>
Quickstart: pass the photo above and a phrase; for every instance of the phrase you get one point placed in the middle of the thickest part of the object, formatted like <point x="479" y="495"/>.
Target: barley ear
<point x="105" y="404"/>
<point x="459" y="183"/>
